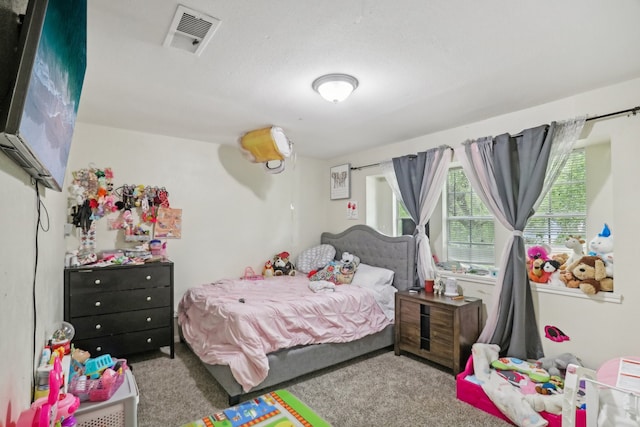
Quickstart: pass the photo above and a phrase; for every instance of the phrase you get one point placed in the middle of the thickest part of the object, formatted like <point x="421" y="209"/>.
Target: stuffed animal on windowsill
<point x="537" y="252"/>
<point x="552" y="268"/>
<point x="282" y="266"/>
<point x="536" y="272"/>
<point x="575" y="243"/>
<point x="602" y="246"/>
<point x="589" y="275"/>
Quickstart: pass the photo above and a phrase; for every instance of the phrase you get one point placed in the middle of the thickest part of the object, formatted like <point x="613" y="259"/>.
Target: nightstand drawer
<point x="117" y="278"/>
<point x="110" y="324"/>
<point x="115" y="302"/>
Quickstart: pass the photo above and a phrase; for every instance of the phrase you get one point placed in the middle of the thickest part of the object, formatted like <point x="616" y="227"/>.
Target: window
<point x="563" y="211"/>
<point x="469" y="224"/>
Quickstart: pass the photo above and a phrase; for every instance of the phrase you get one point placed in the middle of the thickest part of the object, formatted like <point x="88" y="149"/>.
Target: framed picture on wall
<point x="340" y="182"/>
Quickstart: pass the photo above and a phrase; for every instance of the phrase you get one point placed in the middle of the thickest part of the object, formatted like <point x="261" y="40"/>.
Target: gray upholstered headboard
<point x="374" y="248"/>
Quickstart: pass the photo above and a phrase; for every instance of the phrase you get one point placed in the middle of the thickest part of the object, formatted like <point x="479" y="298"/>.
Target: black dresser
<point x="120" y="310"/>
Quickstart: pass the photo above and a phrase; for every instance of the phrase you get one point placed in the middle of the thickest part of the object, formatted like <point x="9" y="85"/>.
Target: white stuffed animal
<point x="575" y="244"/>
<point x="602" y="246"/>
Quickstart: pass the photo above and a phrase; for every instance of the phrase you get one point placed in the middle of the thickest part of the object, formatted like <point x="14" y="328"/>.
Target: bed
<point x="374" y="249"/>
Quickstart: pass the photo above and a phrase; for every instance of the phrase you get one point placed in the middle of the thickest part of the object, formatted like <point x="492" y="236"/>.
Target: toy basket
<point x="97" y="390"/>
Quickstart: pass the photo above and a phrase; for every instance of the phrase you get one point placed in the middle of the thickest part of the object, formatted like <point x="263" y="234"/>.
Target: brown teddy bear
<point x="589" y="274"/>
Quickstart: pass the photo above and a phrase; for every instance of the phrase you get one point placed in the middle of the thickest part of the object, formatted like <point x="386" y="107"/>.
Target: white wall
<point x="599" y="331"/>
<point x="233" y="213"/>
<point x="18" y="221"/>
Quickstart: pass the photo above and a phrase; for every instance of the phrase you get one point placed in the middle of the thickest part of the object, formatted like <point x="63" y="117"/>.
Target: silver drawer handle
<point x="148" y="298"/>
<point x="148" y="277"/>
<point x="98" y="304"/>
<point x="97" y="282"/>
<point x="98" y="326"/>
<point x="98" y="348"/>
<point x="148" y="339"/>
<point x="148" y="319"/>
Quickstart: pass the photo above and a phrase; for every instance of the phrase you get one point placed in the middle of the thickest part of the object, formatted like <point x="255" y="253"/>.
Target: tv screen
<point x="39" y="113"/>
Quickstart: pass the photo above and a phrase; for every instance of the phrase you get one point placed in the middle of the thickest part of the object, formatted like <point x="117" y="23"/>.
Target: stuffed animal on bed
<point x="282" y="266"/>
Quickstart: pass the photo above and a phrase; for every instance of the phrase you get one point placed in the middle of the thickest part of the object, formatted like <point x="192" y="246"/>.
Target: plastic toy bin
<point x="121" y="410"/>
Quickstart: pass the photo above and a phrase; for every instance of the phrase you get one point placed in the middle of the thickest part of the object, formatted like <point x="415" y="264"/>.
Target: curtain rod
<point x="633" y="111"/>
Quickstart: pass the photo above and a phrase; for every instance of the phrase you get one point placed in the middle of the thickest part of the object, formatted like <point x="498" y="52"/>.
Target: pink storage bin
<point x="473" y="394"/>
<point x="95" y="390"/>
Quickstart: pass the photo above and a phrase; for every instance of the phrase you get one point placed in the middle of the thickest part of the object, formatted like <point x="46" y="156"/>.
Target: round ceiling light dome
<point x="335" y="87"/>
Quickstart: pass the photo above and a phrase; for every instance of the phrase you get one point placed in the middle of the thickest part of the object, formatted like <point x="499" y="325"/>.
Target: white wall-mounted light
<point x="335" y="87"/>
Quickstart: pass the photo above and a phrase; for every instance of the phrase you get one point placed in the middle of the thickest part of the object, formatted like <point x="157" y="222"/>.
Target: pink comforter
<point x="277" y="313"/>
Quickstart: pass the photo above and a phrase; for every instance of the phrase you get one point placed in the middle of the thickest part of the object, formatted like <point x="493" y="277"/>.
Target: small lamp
<point x="335" y="87"/>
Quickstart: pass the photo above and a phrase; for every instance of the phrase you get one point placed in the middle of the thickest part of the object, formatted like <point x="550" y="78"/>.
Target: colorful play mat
<point x="275" y="409"/>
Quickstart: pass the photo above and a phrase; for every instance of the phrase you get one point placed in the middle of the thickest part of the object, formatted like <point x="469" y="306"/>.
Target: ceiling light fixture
<point x="335" y="87"/>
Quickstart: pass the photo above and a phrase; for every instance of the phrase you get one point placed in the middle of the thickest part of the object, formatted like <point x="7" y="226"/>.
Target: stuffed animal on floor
<point x="588" y="274"/>
<point x="282" y="266"/>
<point x="602" y="246"/>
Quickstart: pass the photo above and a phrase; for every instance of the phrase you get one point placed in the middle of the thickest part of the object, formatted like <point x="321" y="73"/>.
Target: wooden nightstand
<point x="437" y="328"/>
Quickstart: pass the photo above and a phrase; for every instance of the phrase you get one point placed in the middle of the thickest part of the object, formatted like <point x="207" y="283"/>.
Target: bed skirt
<point x="291" y="363"/>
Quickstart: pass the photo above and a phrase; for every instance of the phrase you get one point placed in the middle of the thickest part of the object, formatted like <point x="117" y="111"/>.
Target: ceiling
<point x="422" y="65"/>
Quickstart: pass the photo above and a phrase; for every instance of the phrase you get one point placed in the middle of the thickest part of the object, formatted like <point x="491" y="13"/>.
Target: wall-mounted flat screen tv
<point x="40" y="107"/>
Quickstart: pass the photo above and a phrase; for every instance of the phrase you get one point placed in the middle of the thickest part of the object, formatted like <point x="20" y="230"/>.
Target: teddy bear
<point x="282" y="266"/>
<point x="349" y="263"/>
<point x="602" y="246"/>
<point x="588" y="274"/>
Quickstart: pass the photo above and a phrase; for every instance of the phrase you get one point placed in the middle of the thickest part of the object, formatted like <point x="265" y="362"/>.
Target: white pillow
<point x="315" y="258"/>
<point x="369" y="276"/>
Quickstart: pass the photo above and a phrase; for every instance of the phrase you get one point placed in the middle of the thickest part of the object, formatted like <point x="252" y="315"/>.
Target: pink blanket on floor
<point x="277" y="313"/>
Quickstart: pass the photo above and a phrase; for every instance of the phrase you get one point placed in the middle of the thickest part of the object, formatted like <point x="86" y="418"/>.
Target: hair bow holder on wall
<point x="267" y="145"/>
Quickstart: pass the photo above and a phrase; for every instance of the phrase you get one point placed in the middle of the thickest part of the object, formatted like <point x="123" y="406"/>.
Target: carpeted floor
<point x="381" y="389"/>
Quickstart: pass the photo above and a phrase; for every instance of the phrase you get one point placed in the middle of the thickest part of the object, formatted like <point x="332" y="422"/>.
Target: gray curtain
<point x="420" y="179"/>
<point x="509" y="174"/>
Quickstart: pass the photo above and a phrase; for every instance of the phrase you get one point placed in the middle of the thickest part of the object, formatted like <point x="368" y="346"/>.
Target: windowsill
<point x="611" y="297"/>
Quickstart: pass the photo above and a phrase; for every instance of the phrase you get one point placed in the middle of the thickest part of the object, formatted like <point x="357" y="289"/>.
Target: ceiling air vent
<point x="191" y="30"/>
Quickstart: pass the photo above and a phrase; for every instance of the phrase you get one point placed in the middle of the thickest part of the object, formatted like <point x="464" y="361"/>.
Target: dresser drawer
<point x="118" y="278"/>
<point x="132" y="342"/>
<point x="118" y="301"/>
<point x="117" y="323"/>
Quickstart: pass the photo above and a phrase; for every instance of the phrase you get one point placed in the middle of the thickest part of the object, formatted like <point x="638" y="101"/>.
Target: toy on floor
<point x="557" y="365"/>
<point x="534" y="372"/>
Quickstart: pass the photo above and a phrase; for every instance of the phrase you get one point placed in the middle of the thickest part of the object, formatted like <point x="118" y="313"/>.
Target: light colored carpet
<point x="381" y="389"/>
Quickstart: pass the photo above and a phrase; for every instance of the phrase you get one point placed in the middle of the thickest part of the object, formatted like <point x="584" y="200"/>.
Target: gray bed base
<point x="373" y="248"/>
